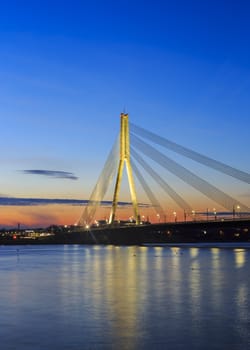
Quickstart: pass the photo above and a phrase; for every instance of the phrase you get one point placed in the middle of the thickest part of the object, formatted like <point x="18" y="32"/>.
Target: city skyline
<point x="67" y="72"/>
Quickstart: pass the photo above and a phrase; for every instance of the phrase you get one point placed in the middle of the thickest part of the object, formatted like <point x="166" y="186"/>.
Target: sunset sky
<point x="69" y="68"/>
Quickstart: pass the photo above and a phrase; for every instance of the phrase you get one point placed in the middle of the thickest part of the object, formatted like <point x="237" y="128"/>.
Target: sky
<point x="69" y="68"/>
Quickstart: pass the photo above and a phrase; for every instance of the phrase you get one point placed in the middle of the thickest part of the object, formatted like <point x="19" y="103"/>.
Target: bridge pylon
<point x="124" y="159"/>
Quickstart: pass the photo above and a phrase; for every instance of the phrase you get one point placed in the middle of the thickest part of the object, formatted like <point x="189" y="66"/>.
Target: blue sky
<point x="68" y="68"/>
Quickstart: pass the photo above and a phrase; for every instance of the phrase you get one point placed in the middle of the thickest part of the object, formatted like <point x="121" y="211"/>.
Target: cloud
<point x="15" y="201"/>
<point x="52" y="173"/>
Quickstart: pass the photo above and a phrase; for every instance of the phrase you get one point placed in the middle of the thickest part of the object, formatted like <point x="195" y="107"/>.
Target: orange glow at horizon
<point x="42" y="216"/>
<point x="46" y="215"/>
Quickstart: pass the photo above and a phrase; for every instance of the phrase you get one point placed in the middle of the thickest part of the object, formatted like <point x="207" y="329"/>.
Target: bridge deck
<point x="179" y="232"/>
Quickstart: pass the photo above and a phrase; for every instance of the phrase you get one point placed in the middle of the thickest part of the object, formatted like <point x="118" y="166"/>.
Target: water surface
<point x="107" y="297"/>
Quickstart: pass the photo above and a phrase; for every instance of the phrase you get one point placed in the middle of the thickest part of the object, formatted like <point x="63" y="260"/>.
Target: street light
<point x="159" y="217"/>
<point x="193" y="213"/>
<point x="215" y="214"/>
<point x="238" y="208"/>
<point x="175" y="216"/>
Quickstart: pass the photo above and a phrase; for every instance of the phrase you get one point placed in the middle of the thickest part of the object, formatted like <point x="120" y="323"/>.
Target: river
<point x="138" y="297"/>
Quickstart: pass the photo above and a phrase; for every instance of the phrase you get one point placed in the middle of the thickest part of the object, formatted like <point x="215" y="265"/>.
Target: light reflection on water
<point x="107" y="297"/>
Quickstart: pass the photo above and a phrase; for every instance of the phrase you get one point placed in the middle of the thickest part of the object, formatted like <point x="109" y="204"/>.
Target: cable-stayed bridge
<point x="133" y="150"/>
<point x="154" y="162"/>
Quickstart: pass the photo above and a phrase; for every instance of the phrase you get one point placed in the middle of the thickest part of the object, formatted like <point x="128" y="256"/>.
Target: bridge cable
<point x="186" y="175"/>
<point x="153" y="200"/>
<point x="207" y="161"/>
<point x="170" y="191"/>
<point x="106" y="177"/>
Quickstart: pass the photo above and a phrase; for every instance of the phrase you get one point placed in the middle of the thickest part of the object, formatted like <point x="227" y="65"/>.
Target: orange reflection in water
<point x="240" y="257"/>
